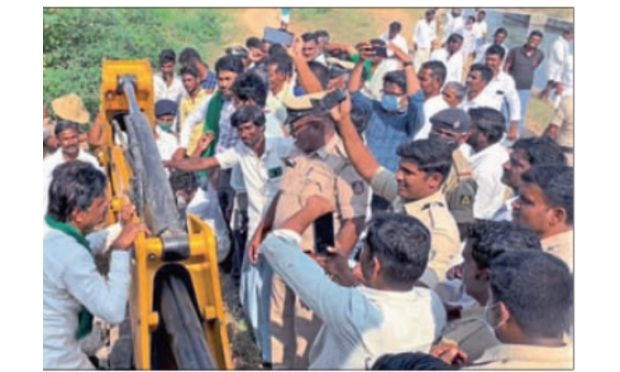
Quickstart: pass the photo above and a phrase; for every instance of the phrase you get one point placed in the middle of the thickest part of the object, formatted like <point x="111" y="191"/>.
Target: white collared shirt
<point x="503" y="85"/>
<point x="276" y="112"/>
<point x="424" y="33"/>
<point x="504" y="213"/>
<point x="560" y="52"/>
<point x="484" y="99"/>
<point x="261" y="176"/>
<point x="70" y="281"/>
<point x="454" y="25"/>
<point x="487" y="167"/>
<point x="51" y="162"/>
<point x="173" y="92"/>
<point x="454" y="64"/>
<point x="359" y="323"/>
<point x="431" y="106"/>
<point x="166" y="143"/>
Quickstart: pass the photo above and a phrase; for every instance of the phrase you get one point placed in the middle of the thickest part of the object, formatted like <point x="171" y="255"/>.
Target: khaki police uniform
<point x="513" y="356"/>
<point x="433" y="212"/>
<point x="460" y="188"/>
<point x="327" y="173"/>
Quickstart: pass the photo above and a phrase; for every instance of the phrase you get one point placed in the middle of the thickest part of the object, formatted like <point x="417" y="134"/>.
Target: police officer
<point x="317" y="165"/>
<point x="452" y="126"/>
<point x="415" y="189"/>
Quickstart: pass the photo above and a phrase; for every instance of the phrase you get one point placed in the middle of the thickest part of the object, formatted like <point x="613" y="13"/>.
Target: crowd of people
<point x="452" y="241"/>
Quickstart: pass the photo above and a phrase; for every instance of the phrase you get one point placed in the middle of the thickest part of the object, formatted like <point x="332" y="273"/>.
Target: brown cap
<point x="70" y="107"/>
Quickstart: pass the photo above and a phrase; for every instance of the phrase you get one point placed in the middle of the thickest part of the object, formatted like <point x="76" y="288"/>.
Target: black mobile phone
<point x="380" y="51"/>
<point x="323" y="234"/>
<point x="277" y="36"/>
<point x="331" y="99"/>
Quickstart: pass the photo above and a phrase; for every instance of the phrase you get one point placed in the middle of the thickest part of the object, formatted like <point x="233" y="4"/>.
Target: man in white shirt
<point x="386" y="313"/>
<point x="561" y="51"/>
<point x="488" y="127"/>
<point x="452" y="57"/>
<point x="167" y="84"/>
<point x="423" y="35"/>
<point x="526" y="153"/>
<point x="279" y="72"/>
<point x="166" y="141"/>
<point x="311" y="49"/>
<point x="477" y="95"/>
<point x="480" y="28"/>
<point x="73" y="289"/>
<point x="262" y="167"/>
<point x="393" y="36"/>
<point x="498" y="38"/>
<point x="431" y="77"/>
<point x="67" y="133"/>
<point x="503" y="85"/>
<point x="454" y="23"/>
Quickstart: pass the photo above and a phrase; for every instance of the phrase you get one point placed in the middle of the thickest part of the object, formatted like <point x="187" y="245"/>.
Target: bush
<point x="76" y="40"/>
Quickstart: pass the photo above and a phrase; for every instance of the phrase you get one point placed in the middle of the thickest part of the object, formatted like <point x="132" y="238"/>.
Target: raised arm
<point x="413" y="85"/>
<point x="307" y="79"/>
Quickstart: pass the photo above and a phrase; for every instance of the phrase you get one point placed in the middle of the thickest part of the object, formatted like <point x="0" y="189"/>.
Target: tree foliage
<point x="76" y="40"/>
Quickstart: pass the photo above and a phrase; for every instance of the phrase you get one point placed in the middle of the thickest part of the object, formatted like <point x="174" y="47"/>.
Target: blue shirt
<point x="386" y="131"/>
<point x="210" y="82"/>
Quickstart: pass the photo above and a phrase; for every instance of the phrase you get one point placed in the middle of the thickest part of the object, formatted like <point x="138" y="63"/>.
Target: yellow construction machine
<point x="176" y="310"/>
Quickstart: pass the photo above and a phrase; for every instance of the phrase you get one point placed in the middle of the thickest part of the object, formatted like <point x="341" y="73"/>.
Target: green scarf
<point x="212" y="121"/>
<point x="212" y="124"/>
<point x="85" y="318"/>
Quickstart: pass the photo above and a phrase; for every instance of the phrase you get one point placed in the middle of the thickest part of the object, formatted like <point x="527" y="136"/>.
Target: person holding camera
<point x="377" y="309"/>
<point x="317" y="165"/>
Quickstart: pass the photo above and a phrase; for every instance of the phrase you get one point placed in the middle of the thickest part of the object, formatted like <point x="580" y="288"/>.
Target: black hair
<point x="537" y="289"/>
<point x="395" y="26"/>
<point x="402" y="244"/>
<point x="482" y="12"/>
<point x="229" y="63"/>
<point x="429" y="12"/>
<point x="455" y="37"/>
<point x="492" y="238"/>
<point x="540" y="151"/>
<point x="322" y="34"/>
<point x="277" y="50"/>
<point x="471" y="18"/>
<point x="189" y="70"/>
<point x="247" y="114"/>
<point x="437" y="68"/>
<point x="489" y="121"/>
<point x="74" y="186"/>
<point x="396" y="77"/>
<point x="485" y="71"/>
<point x="187" y="54"/>
<point x="183" y="181"/>
<point x="321" y="72"/>
<point x="430" y="155"/>
<point x="250" y="86"/>
<point x="63" y="125"/>
<point x="309" y="36"/>
<point x="253" y="42"/>
<point x="501" y="30"/>
<point x="283" y="63"/>
<point x="409" y="361"/>
<point x="497" y="50"/>
<point x="536" y="33"/>
<point x="557" y="185"/>
<point x="167" y="55"/>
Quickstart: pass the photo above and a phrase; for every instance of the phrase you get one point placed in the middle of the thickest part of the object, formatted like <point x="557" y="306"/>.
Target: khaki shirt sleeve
<point x="384" y="184"/>
<point x="351" y="194"/>
<point x="445" y="245"/>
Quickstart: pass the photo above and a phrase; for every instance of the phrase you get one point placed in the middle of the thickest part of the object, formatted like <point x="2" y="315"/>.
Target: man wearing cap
<point x="165" y="115"/>
<point x="67" y="133"/>
<point x="415" y="189"/>
<point x="488" y="128"/>
<point x="317" y="165"/>
<point x="71" y="107"/>
<point x="452" y="126"/>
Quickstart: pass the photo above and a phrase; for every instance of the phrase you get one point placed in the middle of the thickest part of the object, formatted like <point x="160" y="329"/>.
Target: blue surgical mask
<point x="390" y="103"/>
